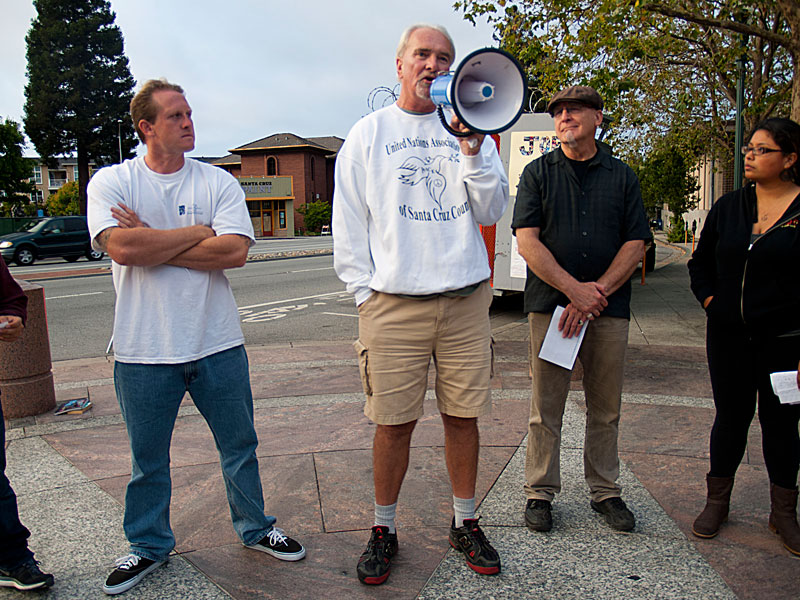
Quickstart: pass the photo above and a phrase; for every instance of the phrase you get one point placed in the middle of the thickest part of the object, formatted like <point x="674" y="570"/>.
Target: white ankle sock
<point x="464" y="508"/>
<point x="385" y="516"/>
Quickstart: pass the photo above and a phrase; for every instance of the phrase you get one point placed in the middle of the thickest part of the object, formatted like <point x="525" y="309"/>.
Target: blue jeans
<point x="149" y="396"/>
<point x="13" y="534"/>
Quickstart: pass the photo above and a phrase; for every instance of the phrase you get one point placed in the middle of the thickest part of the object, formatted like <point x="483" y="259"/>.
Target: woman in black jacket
<point x="746" y="273"/>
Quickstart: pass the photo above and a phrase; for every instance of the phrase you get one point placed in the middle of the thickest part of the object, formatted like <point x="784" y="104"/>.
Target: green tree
<point x="65" y="201"/>
<point x="666" y="177"/>
<point x="662" y="67"/>
<point x="15" y="170"/>
<point x="79" y="85"/>
<point x="315" y="214"/>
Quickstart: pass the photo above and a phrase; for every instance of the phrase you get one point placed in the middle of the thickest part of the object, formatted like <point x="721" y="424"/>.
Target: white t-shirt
<point x="408" y="204"/>
<point x="166" y="314"/>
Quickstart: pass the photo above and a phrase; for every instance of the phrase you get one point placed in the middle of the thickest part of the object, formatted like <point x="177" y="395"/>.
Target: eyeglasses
<point x="758" y="150"/>
<point x="572" y="109"/>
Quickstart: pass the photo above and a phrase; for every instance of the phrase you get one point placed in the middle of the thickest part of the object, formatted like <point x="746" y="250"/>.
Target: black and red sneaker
<point x="373" y="566"/>
<point x="469" y="540"/>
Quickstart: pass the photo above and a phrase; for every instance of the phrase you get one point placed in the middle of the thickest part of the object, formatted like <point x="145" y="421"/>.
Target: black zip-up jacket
<point x="756" y="286"/>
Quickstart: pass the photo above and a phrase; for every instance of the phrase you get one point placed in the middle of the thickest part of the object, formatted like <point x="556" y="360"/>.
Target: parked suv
<point x="67" y="237"/>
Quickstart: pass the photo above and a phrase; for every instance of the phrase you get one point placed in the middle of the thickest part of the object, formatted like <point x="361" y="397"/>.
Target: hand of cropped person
<point x="11" y="328"/>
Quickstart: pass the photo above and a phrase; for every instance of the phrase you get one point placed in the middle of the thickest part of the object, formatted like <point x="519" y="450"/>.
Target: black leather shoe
<point x="616" y="513"/>
<point x="538" y="515"/>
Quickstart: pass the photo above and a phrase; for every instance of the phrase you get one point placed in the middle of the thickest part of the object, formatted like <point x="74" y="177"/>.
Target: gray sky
<point x="252" y="68"/>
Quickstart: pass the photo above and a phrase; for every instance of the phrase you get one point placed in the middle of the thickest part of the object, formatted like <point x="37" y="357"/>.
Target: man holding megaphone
<point x="408" y="203"/>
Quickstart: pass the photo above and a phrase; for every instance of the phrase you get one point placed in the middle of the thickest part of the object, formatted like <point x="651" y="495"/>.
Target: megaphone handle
<point x="447" y="126"/>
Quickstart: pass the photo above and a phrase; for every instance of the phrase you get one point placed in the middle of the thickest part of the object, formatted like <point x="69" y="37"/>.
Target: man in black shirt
<point x="580" y="226"/>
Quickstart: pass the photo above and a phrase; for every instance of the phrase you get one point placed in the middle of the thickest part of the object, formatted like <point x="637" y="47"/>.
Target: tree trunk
<point x="83" y="176"/>
<point x="795" y="114"/>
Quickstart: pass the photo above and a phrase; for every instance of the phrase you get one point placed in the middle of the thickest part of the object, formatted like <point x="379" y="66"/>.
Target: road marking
<point x="328" y="295"/>
<point x="339" y="315"/>
<point x="74" y="295"/>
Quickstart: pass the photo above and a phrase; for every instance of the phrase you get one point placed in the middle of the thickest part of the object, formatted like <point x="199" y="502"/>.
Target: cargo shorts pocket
<point x="363" y="366"/>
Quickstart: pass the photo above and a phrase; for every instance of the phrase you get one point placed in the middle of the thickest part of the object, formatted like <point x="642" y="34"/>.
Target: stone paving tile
<point x="426" y="500"/>
<point x="667" y="430"/>
<point x="327" y="571"/>
<point x="34" y="466"/>
<point x="199" y="512"/>
<point x="299" y="381"/>
<point x="177" y="579"/>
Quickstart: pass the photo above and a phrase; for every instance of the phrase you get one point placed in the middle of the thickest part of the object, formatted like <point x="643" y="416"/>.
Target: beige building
<point x="48" y="180"/>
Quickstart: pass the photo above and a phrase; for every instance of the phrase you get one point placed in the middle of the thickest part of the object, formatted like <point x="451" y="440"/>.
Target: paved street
<point x="70" y="473"/>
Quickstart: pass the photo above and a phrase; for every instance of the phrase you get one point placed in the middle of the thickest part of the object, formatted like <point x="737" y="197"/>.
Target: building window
<point x="56" y="179"/>
<point x="74" y="173"/>
<point x="37" y="174"/>
<point x="281" y="219"/>
<point x="272" y="166"/>
<point x="37" y="197"/>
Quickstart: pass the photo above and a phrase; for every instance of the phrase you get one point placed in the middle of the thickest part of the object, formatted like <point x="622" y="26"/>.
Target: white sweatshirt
<point x="408" y="204"/>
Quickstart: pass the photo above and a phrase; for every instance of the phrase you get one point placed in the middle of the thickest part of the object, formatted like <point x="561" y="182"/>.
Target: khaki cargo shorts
<point x="398" y="337"/>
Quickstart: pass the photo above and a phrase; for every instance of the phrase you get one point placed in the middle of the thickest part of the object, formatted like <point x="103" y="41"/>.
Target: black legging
<point x="740" y="369"/>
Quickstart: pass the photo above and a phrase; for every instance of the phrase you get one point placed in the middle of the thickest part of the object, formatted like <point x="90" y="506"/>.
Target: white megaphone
<point x="486" y="92"/>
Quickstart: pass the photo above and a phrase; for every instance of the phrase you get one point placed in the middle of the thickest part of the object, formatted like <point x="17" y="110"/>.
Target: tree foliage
<point x="315" y="214"/>
<point x="65" y="201"/>
<point x="667" y="176"/>
<point x="662" y="67"/>
<point x="15" y="170"/>
<point x="79" y="85"/>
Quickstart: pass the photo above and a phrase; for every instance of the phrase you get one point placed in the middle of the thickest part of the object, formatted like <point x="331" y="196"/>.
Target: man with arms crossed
<point x="409" y="199"/>
<point x="580" y="226"/>
<point x="171" y="225"/>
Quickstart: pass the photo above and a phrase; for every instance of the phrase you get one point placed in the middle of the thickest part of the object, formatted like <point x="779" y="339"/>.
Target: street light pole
<point x="119" y="138"/>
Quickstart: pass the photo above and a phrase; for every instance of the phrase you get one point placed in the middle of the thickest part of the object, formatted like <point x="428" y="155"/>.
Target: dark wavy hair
<point x="786" y="134"/>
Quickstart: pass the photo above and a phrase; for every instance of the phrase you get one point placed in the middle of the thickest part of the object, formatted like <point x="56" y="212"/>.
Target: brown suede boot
<point x="783" y="517"/>
<point x="707" y="524"/>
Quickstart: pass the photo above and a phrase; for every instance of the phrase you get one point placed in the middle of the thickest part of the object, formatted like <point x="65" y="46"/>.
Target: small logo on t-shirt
<point x="189" y="210"/>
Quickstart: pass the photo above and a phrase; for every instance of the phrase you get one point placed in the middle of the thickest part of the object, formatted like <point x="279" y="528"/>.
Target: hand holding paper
<point x="559" y="350"/>
<point x="784" y="384"/>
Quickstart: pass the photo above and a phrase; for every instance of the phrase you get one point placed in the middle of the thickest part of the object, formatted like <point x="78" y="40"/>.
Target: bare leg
<point x="390" y="460"/>
<point x="461" y="444"/>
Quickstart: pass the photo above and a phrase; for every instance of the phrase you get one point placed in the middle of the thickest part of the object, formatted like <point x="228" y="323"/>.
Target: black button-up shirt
<point x="583" y="226"/>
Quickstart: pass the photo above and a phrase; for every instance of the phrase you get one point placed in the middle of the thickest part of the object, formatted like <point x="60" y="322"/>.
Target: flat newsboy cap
<point x="577" y="93"/>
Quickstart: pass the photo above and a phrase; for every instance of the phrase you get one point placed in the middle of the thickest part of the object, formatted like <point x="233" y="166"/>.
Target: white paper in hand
<point x="557" y="349"/>
<point x="784" y="384"/>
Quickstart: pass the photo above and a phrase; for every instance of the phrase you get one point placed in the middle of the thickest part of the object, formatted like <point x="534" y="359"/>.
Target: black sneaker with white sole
<point x="131" y="569"/>
<point x="276" y="543"/>
<point x="26" y="576"/>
